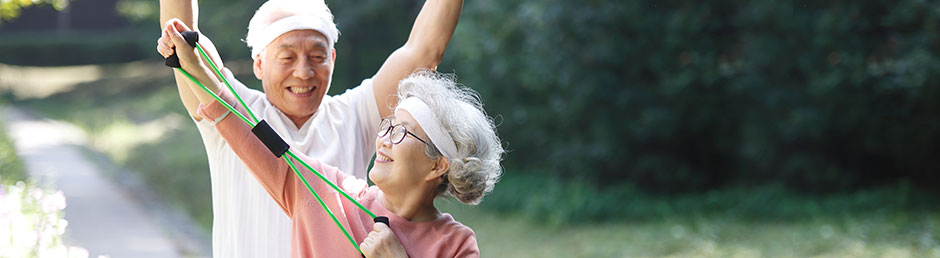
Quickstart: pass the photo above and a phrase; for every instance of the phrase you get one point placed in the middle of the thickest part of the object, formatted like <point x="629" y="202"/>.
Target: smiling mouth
<point x="381" y="157"/>
<point x="301" y="90"/>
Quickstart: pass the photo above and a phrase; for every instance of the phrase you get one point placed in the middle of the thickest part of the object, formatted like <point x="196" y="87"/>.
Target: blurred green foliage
<point x="10" y="9"/>
<point x="619" y="110"/>
<point x="75" y="47"/>
<point x="11" y="167"/>
<point x="674" y="96"/>
<point x="682" y="96"/>
<point x="678" y="96"/>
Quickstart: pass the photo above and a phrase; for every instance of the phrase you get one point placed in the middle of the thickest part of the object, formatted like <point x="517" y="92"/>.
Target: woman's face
<point x="402" y="166"/>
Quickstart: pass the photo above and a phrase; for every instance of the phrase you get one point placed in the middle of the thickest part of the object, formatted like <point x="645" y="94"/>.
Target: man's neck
<point x="299" y="121"/>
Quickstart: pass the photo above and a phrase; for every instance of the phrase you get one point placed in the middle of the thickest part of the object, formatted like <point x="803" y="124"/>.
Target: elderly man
<point x="292" y="47"/>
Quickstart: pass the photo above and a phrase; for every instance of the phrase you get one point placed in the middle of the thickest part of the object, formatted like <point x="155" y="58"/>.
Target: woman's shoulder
<point x="446" y="222"/>
<point x="457" y="239"/>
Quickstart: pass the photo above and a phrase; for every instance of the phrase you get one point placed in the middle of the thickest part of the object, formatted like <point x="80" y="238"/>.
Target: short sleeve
<point x="364" y="109"/>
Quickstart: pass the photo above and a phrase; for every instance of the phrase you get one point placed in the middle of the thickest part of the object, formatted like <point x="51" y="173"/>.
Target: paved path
<point x="102" y="218"/>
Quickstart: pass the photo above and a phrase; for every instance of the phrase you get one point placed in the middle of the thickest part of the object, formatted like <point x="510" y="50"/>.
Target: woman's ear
<point x="441" y="166"/>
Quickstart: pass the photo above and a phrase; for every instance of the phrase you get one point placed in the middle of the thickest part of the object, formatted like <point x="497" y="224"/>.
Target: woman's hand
<point x="190" y="60"/>
<point x="381" y="242"/>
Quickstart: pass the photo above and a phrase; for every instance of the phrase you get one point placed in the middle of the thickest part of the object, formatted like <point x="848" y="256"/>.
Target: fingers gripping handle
<point x="379" y="219"/>
<point x="191" y="38"/>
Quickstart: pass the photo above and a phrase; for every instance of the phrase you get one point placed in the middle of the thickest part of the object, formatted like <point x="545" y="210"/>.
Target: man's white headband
<point x="287" y="24"/>
<point x="428" y="121"/>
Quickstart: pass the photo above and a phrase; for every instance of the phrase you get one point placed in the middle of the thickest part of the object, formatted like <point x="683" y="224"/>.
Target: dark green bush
<point x="77" y="47"/>
<point x="671" y="97"/>
<point x="684" y="96"/>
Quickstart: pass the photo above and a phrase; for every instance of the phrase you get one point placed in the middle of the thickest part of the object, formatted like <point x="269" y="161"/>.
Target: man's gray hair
<point x="476" y="167"/>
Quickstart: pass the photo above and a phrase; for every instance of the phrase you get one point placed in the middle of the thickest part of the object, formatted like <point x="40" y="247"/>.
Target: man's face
<point x="295" y="71"/>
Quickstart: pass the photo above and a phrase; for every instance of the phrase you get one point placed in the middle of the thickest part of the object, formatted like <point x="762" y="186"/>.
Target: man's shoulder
<point x="358" y="93"/>
<point x="350" y="102"/>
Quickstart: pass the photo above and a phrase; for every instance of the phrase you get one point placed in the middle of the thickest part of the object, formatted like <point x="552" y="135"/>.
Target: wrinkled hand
<point x="189" y="59"/>
<point x="381" y="242"/>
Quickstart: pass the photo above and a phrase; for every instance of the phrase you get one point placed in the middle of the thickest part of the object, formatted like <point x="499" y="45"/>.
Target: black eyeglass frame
<point x="388" y="123"/>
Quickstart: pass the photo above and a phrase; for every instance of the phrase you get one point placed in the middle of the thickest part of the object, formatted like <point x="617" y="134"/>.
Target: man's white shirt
<point x="246" y="220"/>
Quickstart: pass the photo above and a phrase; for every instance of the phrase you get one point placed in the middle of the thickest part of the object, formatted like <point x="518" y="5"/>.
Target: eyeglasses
<point x="398" y="132"/>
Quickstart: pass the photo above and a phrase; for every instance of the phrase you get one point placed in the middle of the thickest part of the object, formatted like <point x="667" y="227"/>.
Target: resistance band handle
<point x="191" y="38"/>
<point x="269" y="137"/>
<point x="379" y="219"/>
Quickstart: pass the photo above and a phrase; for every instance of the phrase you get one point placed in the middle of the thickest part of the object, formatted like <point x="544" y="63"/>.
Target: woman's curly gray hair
<point x="475" y="169"/>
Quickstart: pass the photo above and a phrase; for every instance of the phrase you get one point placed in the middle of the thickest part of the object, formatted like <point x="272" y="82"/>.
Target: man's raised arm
<point x="188" y="12"/>
<point x="425" y="47"/>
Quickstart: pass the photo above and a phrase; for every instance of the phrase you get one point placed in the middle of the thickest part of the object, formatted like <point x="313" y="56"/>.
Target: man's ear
<point x="256" y="67"/>
<point x="441" y="166"/>
<point x="333" y="56"/>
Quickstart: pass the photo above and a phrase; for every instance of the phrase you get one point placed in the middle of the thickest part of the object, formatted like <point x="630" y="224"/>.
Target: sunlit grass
<point x="895" y="234"/>
<point x="118" y="139"/>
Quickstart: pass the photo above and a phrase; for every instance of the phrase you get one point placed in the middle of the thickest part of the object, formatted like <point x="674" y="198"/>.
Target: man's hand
<point x="189" y="59"/>
<point x="381" y="242"/>
<point x="170" y="38"/>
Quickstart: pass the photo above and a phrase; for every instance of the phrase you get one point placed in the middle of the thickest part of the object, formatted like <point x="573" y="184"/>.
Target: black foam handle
<point x="191" y="38"/>
<point x="269" y="137"/>
<point x="381" y="219"/>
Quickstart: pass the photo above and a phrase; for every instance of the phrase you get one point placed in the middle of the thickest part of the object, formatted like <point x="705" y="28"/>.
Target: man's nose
<point x="303" y="69"/>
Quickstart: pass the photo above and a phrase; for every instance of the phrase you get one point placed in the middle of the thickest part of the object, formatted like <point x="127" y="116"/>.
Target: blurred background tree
<point x="661" y="97"/>
<point x="689" y="96"/>
<point x="10" y="9"/>
<point x="687" y="128"/>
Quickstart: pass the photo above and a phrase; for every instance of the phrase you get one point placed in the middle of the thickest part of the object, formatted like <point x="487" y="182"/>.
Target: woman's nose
<point x="384" y="141"/>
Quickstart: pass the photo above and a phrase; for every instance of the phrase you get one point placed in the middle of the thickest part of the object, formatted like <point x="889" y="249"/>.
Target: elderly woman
<point x="438" y="142"/>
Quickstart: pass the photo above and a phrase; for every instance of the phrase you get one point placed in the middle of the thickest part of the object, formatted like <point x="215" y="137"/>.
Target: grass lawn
<point x="138" y="123"/>
<point x="858" y="235"/>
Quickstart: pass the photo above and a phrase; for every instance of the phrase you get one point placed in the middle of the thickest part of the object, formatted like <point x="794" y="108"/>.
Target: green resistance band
<point x="173" y="61"/>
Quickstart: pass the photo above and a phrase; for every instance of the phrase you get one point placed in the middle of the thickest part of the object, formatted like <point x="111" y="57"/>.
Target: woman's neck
<point x="415" y="205"/>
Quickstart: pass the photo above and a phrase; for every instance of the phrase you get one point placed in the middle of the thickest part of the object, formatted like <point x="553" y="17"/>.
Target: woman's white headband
<point x="428" y="121"/>
<point x="297" y="22"/>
